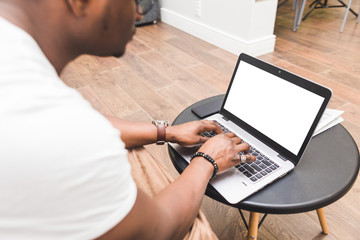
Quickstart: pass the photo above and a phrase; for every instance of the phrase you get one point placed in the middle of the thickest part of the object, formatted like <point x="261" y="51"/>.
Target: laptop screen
<point x="282" y="111"/>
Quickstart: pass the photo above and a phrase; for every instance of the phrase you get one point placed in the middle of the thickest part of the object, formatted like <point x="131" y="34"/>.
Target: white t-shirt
<point x="64" y="172"/>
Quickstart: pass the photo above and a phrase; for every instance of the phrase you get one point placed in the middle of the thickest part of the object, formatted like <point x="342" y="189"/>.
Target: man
<point x="63" y="167"/>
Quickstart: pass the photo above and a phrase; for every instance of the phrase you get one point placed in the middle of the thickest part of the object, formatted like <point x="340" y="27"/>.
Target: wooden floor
<point x="165" y="70"/>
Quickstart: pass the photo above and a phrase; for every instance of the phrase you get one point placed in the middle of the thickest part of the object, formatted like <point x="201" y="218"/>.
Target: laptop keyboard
<point x="256" y="170"/>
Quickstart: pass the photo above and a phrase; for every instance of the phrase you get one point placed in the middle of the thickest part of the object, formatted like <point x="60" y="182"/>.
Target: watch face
<point x="165" y="123"/>
<point x="161" y="122"/>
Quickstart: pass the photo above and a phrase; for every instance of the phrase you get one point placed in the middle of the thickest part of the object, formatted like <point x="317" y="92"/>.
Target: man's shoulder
<point x="20" y="53"/>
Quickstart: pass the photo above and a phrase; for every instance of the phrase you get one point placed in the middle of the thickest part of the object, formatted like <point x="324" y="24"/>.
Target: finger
<point x="230" y="134"/>
<point x="211" y="126"/>
<point x="247" y="158"/>
<point x="237" y="140"/>
<point x="243" y="147"/>
<point x="203" y="139"/>
<point x="235" y="136"/>
<point x="250" y="158"/>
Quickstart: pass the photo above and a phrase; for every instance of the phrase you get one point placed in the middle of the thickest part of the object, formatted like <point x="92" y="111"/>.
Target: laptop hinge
<point x="283" y="158"/>
<point x="225" y="118"/>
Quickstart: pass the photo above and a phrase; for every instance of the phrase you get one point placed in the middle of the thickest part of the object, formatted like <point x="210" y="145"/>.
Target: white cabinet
<point x="234" y="25"/>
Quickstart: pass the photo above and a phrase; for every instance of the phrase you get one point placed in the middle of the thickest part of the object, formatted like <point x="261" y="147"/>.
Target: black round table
<point x="326" y="172"/>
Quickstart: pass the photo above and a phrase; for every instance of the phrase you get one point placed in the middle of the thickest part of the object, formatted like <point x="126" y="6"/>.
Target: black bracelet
<point x="207" y="157"/>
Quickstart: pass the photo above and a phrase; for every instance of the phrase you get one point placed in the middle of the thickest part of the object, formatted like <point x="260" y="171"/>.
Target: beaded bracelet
<point x="207" y="157"/>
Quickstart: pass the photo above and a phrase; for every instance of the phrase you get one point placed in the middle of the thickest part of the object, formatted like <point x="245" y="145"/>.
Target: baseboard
<point x="216" y="37"/>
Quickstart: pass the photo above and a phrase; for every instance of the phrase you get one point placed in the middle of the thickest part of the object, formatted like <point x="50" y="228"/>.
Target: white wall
<point x="234" y="25"/>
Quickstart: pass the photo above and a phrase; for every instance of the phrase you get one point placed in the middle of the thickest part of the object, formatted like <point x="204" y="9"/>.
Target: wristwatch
<point x="161" y="126"/>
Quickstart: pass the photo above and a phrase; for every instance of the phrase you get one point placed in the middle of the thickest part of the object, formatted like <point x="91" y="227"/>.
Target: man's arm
<point x="135" y="134"/>
<point x="170" y="214"/>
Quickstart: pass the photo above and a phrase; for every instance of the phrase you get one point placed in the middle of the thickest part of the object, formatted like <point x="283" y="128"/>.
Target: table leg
<point x="322" y="219"/>
<point x="253" y="225"/>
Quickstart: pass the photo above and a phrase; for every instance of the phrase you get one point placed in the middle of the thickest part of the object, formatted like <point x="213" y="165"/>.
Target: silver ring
<point x="243" y="159"/>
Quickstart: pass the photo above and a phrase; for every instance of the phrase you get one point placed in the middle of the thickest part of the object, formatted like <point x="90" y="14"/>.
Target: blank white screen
<point x="278" y="109"/>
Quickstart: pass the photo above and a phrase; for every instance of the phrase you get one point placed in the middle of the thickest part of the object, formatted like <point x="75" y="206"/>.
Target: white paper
<point x="330" y="118"/>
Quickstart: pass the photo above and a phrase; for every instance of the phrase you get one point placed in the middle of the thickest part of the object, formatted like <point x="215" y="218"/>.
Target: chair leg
<point x="253" y="225"/>
<point x="322" y="219"/>
<point x="296" y="14"/>
<point x="345" y="17"/>
<point x="302" y="4"/>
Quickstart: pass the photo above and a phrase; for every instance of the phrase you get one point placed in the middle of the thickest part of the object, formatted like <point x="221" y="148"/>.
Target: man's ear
<point x="78" y="7"/>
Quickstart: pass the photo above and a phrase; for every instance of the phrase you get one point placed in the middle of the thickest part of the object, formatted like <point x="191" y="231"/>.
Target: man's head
<point x="65" y="29"/>
<point x="101" y="27"/>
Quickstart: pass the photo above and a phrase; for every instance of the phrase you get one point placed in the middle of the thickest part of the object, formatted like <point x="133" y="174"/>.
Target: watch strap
<point x="161" y="131"/>
<point x="161" y="134"/>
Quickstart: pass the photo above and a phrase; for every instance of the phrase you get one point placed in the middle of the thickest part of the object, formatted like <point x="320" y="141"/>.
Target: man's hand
<point x="189" y="134"/>
<point x="225" y="148"/>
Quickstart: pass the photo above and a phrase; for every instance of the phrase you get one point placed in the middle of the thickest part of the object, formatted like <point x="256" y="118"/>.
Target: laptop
<point x="273" y="110"/>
